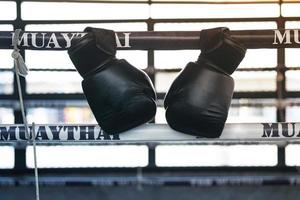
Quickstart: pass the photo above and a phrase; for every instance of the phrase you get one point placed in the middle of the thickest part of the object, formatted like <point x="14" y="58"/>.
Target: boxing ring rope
<point x="234" y="133"/>
<point x="155" y="40"/>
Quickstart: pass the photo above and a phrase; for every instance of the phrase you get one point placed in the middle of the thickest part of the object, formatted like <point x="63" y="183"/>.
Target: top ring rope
<point x="154" y="40"/>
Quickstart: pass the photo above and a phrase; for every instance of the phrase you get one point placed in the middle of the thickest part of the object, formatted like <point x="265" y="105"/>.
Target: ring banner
<point x="149" y="132"/>
<point x="154" y="40"/>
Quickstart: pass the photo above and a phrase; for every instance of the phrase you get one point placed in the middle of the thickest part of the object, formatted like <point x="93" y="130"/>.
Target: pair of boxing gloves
<point x="122" y="97"/>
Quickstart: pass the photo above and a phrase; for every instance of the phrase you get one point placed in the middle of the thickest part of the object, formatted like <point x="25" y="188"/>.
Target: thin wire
<point x="16" y="56"/>
<point x="22" y="104"/>
<point x="36" y="173"/>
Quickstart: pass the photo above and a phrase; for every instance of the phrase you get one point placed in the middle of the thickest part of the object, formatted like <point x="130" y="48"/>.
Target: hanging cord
<point x="22" y="70"/>
<point x="36" y="173"/>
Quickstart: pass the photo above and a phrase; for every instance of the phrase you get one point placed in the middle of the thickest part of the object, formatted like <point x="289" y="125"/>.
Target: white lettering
<point x="24" y="38"/>
<point x="68" y="39"/>
<point x="280" y="37"/>
<point x="34" y="43"/>
<point x="54" y="41"/>
<point x="127" y="41"/>
<point x="296" y="36"/>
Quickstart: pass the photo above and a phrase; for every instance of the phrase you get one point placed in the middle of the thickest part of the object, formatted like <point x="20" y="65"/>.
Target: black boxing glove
<point x="198" y="100"/>
<point x="120" y="96"/>
<point x="221" y="50"/>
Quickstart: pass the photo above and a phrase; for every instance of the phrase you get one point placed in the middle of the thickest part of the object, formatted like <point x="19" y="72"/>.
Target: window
<point x="216" y="155"/>
<point x="292" y="155"/>
<point x="80" y="11"/>
<point x="88" y="156"/>
<point x="8" y="10"/>
<point x="163" y="11"/>
<point x="7" y="160"/>
<point x="68" y="115"/>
